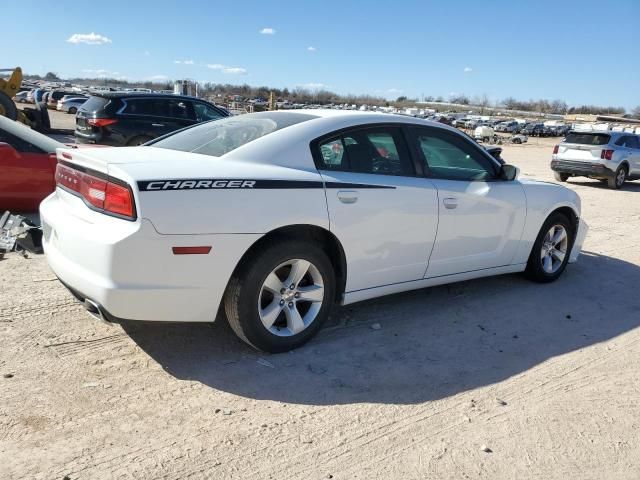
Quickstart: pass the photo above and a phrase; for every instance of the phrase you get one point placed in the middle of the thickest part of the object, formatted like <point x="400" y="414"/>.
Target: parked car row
<point x="134" y="118"/>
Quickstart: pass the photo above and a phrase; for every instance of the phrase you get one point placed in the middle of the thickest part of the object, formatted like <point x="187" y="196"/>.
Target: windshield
<point x="219" y="137"/>
<point x="587" y="138"/>
<point x="25" y="133"/>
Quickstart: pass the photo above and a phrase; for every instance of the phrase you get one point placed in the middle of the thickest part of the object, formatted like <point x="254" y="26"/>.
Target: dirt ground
<point x="546" y="377"/>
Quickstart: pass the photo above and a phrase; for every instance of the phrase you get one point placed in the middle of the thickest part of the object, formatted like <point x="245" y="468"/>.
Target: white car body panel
<point x="393" y="239"/>
<point x="491" y="213"/>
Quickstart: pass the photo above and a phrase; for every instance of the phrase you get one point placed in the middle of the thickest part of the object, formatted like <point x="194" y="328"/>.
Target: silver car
<point x="609" y="156"/>
<point x="70" y="104"/>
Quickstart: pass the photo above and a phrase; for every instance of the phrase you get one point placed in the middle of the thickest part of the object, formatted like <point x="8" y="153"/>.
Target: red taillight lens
<point x="606" y="154"/>
<point x="100" y="193"/>
<point x="555" y="149"/>
<point x="101" y="122"/>
<point x="118" y="199"/>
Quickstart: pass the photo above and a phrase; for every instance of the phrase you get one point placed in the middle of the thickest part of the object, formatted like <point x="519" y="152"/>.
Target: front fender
<point x="542" y="200"/>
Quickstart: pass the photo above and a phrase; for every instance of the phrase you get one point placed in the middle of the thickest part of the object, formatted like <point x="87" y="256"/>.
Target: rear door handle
<point x="157" y="124"/>
<point x="450" y="203"/>
<point x="348" y="196"/>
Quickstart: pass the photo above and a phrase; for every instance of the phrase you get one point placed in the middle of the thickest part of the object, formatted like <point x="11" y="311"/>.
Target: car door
<point x="384" y="215"/>
<point x="481" y="217"/>
<point x="27" y="177"/>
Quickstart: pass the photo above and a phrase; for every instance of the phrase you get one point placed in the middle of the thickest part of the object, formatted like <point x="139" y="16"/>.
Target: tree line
<point x="215" y="91"/>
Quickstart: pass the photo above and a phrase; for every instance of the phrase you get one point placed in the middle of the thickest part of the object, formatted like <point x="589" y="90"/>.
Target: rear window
<point x="95" y="104"/>
<point x="219" y="137"/>
<point x="587" y="138"/>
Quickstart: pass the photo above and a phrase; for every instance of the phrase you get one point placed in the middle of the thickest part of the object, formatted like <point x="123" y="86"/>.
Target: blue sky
<point x="584" y="52"/>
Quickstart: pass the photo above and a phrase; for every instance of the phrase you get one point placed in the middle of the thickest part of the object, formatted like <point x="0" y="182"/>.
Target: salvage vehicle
<point x="270" y="218"/>
<point x="133" y="118"/>
<point x="613" y="157"/>
<point x="28" y="162"/>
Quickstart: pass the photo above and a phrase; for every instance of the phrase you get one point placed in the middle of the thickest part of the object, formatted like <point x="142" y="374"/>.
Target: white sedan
<point x="273" y="217"/>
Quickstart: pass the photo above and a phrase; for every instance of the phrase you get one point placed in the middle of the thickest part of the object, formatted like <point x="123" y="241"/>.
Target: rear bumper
<point x="129" y="270"/>
<point x="582" y="169"/>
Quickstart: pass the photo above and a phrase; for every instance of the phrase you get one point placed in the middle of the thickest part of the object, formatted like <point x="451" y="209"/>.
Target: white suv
<point x="613" y="157"/>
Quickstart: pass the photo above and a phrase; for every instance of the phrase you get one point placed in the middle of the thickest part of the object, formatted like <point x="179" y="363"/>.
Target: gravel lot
<point x="545" y="376"/>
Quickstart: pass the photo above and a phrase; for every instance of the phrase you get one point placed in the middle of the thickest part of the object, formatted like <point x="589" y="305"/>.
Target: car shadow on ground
<point x="631" y="186"/>
<point x="432" y="343"/>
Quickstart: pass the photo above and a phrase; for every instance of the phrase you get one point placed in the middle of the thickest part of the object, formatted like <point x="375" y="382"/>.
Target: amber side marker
<point x="191" y="250"/>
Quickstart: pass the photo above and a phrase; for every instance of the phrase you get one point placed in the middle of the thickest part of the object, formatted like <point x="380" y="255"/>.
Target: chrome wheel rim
<point x="291" y="297"/>
<point x="554" y="249"/>
<point x="620" y="177"/>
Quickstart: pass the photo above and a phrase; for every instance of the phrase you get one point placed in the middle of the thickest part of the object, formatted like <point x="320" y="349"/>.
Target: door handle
<point x="157" y="124"/>
<point x="348" y="196"/>
<point x="450" y="203"/>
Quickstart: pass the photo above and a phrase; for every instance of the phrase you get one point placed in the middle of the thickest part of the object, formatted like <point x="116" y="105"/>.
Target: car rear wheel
<point x="135" y="141"/>
<point x="550" y="253"/>
<point x="560" y="177"/>
<point x="73" y="110"/>
<point x="279" y="298"/>
<point x="617" y="181"/>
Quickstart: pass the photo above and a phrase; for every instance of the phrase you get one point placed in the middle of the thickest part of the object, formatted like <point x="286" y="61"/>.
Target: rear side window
<point x="222" y="136"/>
<point x="159" y="107"/>
<point x="378" y="150"/>
<point x="205" y="112"/>
<point x="587" y="138"/>
<point x="95" y="104"/>
<point x="628" y="141"/>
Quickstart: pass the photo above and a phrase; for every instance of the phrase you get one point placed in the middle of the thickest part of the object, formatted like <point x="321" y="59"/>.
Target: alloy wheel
<point x="554" y="249"/>
<point x="291" y="297"/>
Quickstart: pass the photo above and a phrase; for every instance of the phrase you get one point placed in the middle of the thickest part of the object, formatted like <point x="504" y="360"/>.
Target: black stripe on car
<point x="240" y="183"/>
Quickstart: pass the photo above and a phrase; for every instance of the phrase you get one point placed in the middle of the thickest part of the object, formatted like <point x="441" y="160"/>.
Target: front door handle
<point x="348" y="196"/>
<point x="450" y="203"/>
<point x="157" y="124"/>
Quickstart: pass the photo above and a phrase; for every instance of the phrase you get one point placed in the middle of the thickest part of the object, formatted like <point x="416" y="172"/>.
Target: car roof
<point x="143" y="95"/>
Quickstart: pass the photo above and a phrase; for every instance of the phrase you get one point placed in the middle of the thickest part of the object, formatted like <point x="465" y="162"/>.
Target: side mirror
<point x="8" y="152"/>
<point x="509" y="172"/>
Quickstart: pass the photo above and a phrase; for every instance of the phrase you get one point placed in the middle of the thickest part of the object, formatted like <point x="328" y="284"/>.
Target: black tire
<point x="7" y="107"/>
<point x="243" y="293"/>
<point x="617" y="181"/>
<point x="535" y="270"/>
<point x="72" y="110"/>
<point x="135" y="141"/>
<point x="517" y="141"/>
<point x="560" y="177"/>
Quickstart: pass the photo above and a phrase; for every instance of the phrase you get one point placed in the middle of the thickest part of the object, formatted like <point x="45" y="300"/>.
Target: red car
<point x="27" y="167"/>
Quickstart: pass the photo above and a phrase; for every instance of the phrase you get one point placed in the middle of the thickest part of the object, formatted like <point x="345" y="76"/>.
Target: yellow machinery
<point x="8" y="89"/>
<point x="37" y="118"/>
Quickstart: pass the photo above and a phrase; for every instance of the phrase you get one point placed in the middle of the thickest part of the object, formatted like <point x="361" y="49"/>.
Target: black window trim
<point x="490" y="162"/>
<point x="419" y="165"/>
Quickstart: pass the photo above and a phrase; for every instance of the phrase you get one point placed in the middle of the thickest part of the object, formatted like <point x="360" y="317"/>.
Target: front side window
<point x="19" y="144"/>
<point x="449" y="156"/>
<point x="378" y="150"/>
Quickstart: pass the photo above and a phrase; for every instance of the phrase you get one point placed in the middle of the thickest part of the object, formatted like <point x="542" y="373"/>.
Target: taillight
<point x="555" y="149"/>
<point x="101" y="122"/>
<point x="606" y="154"/>
<point x="100" y="193"/>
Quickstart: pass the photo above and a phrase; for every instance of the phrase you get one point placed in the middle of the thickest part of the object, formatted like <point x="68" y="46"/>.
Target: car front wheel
<point x="550" y="253"/>
<point x="278" y="299"/>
